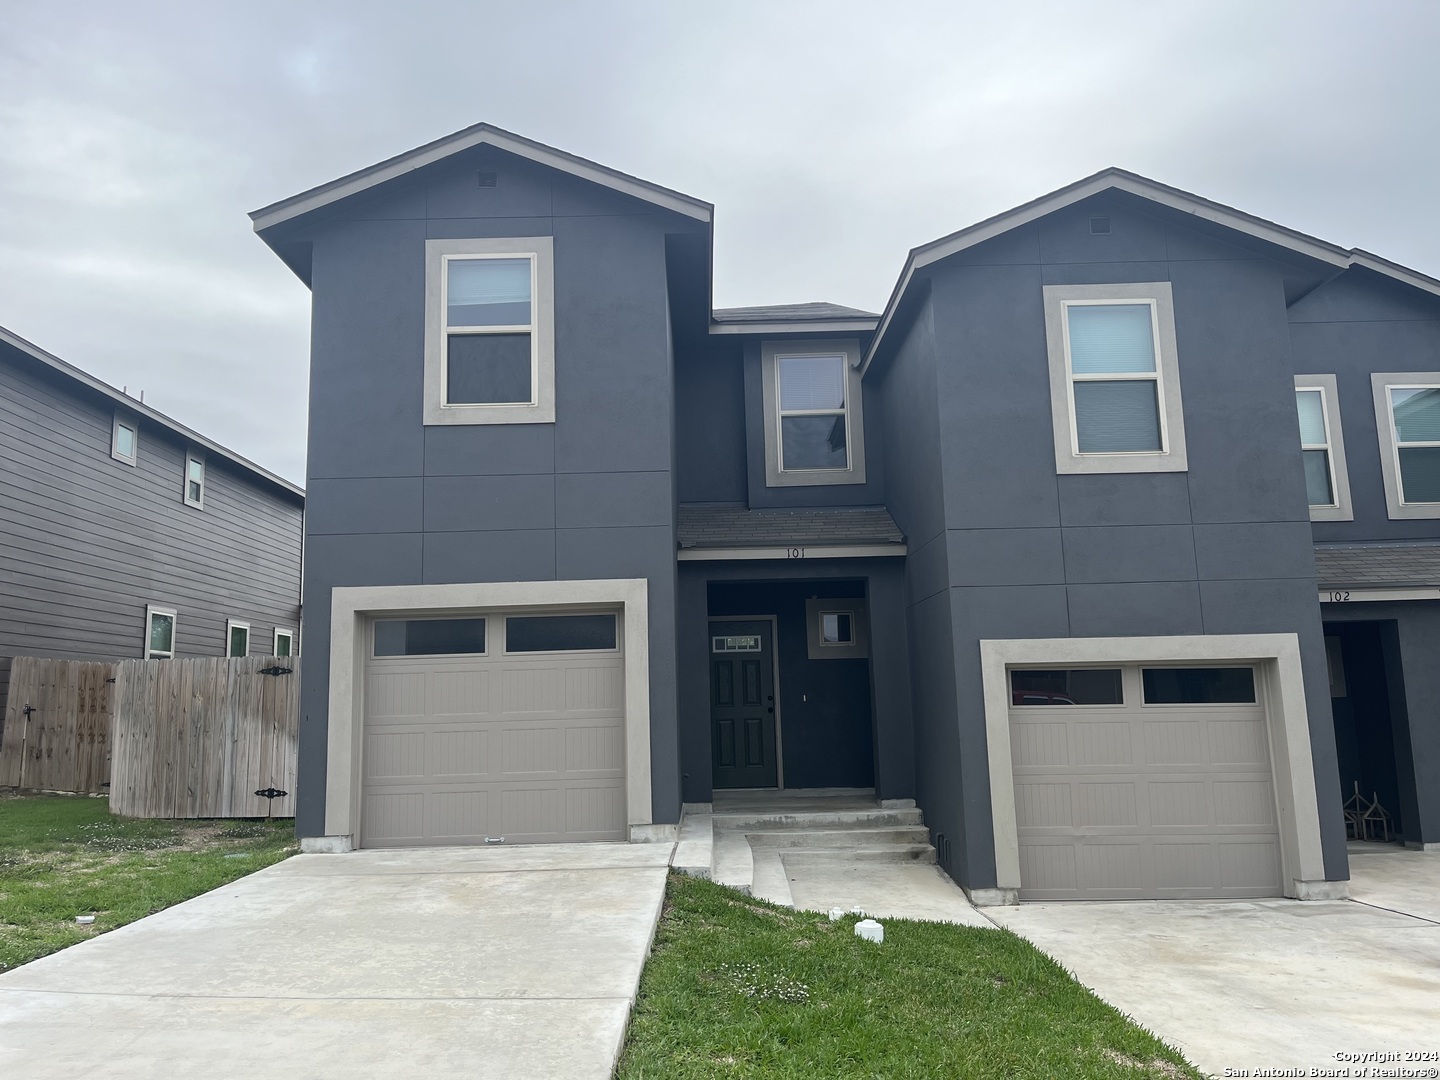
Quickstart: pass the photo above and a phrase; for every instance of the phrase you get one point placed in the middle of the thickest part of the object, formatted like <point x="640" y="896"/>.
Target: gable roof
<point x="125" y="401"/>
<point x="1132" y="183"/>
<point x="780" y="318"/>
<point x="476" y="135"/>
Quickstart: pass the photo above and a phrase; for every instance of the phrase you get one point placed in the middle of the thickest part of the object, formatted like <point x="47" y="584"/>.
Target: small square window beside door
<point x="837" y="628"/>
<point x="195" y="481"/>
<point x="1114" y="378"/>
<point x="159" y="633"/>
<point x="489" y="331"/>
<point x="124" y="440"/>
<point x="237" y="638"/>
<point x="1322" y="448"/>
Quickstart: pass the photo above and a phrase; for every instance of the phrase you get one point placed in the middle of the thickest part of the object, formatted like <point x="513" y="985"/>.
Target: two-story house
<point x="128" y="534"/>
<point x="1033" y="546"/>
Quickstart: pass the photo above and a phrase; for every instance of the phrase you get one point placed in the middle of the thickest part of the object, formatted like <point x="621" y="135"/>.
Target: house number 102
<point x="794" y="553"/>
<point x="1339" y="596"/>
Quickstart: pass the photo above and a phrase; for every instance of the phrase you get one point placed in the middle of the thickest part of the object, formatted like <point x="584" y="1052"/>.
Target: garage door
<point x="1143" y="782"/>
<point x="494" y="728"/>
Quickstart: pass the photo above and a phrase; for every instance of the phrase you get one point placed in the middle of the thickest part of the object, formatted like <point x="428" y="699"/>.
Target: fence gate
<point x="58" y="719"/>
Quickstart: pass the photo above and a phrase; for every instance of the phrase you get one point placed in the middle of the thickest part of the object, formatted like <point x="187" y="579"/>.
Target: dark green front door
<point x="742" y="704"/>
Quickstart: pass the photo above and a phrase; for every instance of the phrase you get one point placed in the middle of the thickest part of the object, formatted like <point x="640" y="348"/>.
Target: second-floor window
<point x="124" y="440"/>
<point x="814" y="428"/>
<point x="1407" y="415"/>
<point x="1322" y="447"/>
<point x="1114" y="378"/>
<point x="194" y="480"/>
<point x="489" y="333"/>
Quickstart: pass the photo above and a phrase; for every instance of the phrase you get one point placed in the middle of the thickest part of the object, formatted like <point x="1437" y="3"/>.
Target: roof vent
<point x="1099" y="226"/>
<point x="488" y="179"/>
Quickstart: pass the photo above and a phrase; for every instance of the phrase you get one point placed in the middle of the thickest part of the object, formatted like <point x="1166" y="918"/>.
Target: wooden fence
<point x="58" y="720"/>
<point x="166" y="738"/>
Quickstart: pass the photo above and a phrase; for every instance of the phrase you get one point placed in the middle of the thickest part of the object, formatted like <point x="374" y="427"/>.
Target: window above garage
<point x="1114" y="378"/>
<point x="490" y="331"/>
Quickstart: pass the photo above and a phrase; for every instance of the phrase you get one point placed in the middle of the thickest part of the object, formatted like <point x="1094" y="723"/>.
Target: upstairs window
<point x="814" y="428"/>
<point x="1327" y="484"/>
<point x="489" y="349"/>
<point x="1114" y="379"/>
<point x="1407" y="415"/>
<point x="194" y="480"/>
<point x="124" y="439"/>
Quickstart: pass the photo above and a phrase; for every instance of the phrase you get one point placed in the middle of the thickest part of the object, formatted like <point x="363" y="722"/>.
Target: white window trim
<point x="1341" y="509"/>
<point x="1381" y="383"/>
<point x="193" y="456"/>
<point x="352" y="607"/>
<point x="128" y="421"/>
<point x="1068" y="459"/>
<point x="150" y="612"/>
<point x="770" y="354"/>
<point x="857" y="648"/>
<point x="285" y="632"/>
<point x="231" y="625"/>
<point x="541" y="251"/>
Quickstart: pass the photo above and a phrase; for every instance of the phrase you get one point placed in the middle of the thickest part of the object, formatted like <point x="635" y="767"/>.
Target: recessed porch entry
<point x="790" y="698"/>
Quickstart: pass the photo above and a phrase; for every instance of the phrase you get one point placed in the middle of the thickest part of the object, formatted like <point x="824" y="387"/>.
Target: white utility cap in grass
<point x="84" y="920"/>
<point x="836" y="914"/>
<point x="870" y="930"/>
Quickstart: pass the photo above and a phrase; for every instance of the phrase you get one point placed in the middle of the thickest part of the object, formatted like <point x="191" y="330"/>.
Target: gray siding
<point x="90" y="541"/>
<point x="590" y="496"/>
<point x="1222" y="549"/>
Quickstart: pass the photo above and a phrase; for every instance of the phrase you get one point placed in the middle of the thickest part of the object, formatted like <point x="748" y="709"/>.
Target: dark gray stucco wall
<point x="710" y="422"/>
<point x="590" y="496"/>
<point x="1414" y="704"/>
<point x="90" y="541"/>
<point x="1224" y="548"/>
<point x="1355" y="325"/>
<point x="893" y="744"/>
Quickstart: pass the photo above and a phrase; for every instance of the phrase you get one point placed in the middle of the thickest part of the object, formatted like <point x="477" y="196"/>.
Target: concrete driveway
<point x="1273" y="984"/>
<point x="438" y="963"/>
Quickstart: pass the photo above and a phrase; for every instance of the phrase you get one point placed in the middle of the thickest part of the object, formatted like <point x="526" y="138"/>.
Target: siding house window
<point x="284" y="642"/>
<point x="1407" y="417"/>
<point x="1114" y="378"/>
<point x="489" y="333"/>
<point x="124" y="439"/>
<point x="814" y="425"/>
<point x="237" y="638"/>
<point x="1327" y="483"/>
<point x="194" y="480"/>
<point x="159" y="633"/>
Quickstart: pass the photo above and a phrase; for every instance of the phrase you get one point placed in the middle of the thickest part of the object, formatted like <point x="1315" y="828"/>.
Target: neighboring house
<point x="1031" y="547"/>
<point x="129" y="535"/>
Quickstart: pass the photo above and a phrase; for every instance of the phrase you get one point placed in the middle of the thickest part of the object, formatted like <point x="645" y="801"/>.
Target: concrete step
<point x="876" y="817"/>
<point x="848" y="839"/>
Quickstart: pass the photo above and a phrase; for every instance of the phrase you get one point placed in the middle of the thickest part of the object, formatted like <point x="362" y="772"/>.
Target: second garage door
<point x="494" y="728"/>
<point x="1143" y="782"/>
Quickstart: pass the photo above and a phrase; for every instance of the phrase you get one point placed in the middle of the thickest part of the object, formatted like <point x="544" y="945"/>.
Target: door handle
<point x="771" y="709"/>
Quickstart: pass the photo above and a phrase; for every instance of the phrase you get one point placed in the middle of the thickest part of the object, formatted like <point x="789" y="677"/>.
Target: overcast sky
<point x="832" y="137"/>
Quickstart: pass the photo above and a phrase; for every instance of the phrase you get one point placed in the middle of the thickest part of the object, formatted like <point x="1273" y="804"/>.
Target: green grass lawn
<point x="739" y="988"/>
<point x="63" y="856"/>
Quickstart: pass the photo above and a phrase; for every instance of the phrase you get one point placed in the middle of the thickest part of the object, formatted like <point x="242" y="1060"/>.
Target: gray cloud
<point x="831" y="136"/>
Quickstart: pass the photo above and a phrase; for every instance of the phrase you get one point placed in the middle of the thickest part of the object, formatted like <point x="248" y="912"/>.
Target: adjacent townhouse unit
<point x="1033" y="546"/>
<point x="128" y="534"/>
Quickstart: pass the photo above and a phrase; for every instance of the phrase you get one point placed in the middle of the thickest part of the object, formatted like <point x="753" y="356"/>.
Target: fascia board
<point x="357" y="182"/>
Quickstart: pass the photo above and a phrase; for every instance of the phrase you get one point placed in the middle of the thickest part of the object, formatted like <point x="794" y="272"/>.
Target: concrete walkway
<point x="437" y="963"/>
<point x="1272" y="984"/>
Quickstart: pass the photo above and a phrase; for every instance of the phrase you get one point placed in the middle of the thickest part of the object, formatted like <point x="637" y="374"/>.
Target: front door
<point x="742" y="704"/>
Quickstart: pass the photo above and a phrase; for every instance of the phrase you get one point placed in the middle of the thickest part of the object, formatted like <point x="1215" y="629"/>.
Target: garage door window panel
<point x="560" y="633"/>
<point x="1077" y="686"/>
<point x="1199" y="686"/>
<point x="429" y="637"/>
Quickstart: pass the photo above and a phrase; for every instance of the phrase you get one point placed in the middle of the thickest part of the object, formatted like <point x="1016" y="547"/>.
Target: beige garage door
<point x="1146" y="782"/>
<point x="494" y="728"/>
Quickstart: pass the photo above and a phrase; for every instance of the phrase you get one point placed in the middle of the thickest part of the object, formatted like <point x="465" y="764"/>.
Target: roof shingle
<point x="816" y="312"/>
<point x="1401" y="565"/>
<point x="705" y="525"/>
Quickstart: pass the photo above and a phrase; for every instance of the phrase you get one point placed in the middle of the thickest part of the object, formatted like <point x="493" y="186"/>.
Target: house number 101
<point x="794" y="553"/>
